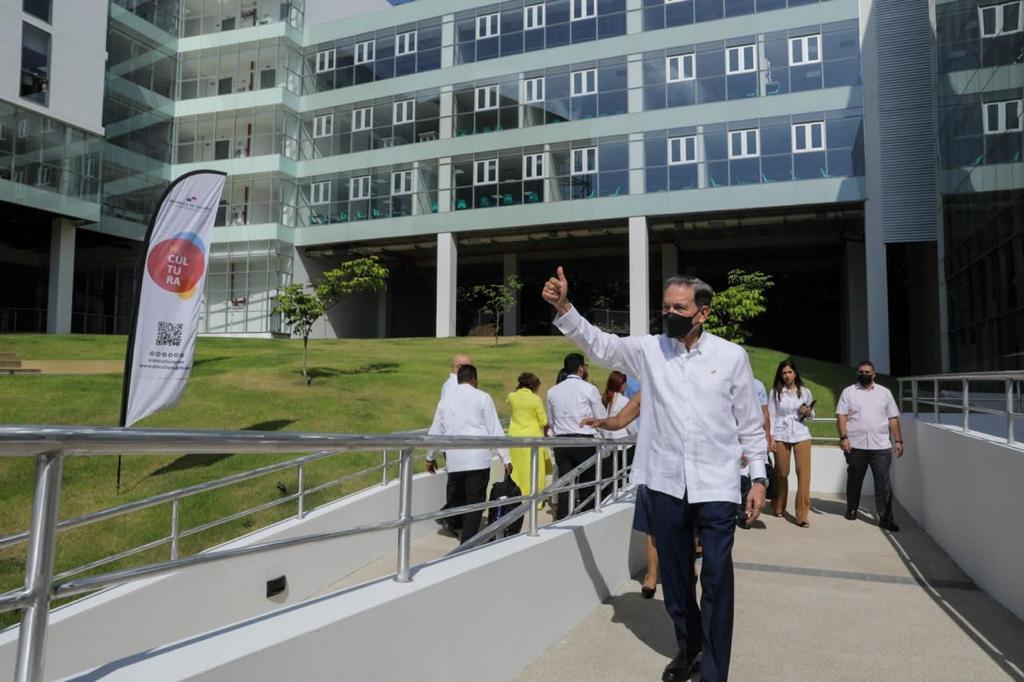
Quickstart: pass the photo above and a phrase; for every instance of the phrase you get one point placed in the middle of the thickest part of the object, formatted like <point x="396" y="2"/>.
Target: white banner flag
<point x="163" y="339"/>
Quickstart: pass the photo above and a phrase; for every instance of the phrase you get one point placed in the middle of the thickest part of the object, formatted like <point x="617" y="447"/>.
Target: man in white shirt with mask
<point x="699" y="415"/>
<point x="467" y="411"/>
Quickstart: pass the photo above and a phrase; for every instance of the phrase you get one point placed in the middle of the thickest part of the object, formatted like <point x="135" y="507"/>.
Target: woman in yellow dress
<point x="529" y="418"/>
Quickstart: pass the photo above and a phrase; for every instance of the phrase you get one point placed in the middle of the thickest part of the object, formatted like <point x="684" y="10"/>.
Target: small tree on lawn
<point x="495" y="300"/>
<point x="742" y="301"/>
<point x="302" y="305"/>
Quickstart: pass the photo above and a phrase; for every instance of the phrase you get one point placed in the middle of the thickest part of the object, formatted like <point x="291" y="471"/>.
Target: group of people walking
<point x="704" y="429"/>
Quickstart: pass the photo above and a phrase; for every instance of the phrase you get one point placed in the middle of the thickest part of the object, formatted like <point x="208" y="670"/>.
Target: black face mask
<point x="864" y="379"/>
<point x="677" y="326"/>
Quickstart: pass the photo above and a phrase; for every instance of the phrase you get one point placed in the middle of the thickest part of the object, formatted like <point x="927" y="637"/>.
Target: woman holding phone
<point x="789" y="406"/>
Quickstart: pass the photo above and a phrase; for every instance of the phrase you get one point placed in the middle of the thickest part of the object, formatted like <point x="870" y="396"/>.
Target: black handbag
<point x="773" y="479"/>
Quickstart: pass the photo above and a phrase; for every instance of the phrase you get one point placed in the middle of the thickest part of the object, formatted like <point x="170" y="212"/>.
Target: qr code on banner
<point x="168" y="333"/>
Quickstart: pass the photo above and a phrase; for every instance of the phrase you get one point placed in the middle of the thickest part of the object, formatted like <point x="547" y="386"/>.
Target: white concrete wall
<point x="78" y="55"/>
<point x="142" y="615"/>
<point x="828" y="474"/>
<point x="484" y="615"/>
<point x="964" y="489"/>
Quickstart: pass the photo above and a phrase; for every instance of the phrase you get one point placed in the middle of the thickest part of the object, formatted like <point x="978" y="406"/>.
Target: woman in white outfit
<point x="789" y="406"/>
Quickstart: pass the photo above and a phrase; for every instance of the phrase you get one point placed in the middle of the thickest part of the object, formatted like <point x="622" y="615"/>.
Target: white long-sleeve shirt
<point x="467" y="411"/>
<point x="699" y="413"/>
<point x="572" y="401"/>
<point x="784" y="411"/>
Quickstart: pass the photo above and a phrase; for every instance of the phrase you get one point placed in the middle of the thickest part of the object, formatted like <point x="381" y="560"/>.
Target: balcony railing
<point x="50" y="446"/>
<point x="954" y="398"/>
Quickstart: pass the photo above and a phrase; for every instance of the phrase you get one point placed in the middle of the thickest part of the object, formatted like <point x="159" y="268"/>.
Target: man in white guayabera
<point x="699" y="414"/>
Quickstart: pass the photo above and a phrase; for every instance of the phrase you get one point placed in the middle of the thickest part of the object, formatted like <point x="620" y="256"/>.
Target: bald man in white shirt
<point x="452" y="381"/>
<point x="699" y="415"/>
<point x="467" y="411"/>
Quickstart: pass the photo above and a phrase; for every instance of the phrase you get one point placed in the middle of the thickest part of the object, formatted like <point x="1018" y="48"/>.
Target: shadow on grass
<point x="192" y="461"/>
<point x="203" y="361"/>
<point x="373" y="368"/>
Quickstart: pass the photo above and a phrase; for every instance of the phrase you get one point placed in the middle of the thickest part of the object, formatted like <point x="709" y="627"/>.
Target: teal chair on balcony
<point x="507" y="200"/>
<point x="532" y="198"/>
<point x="485" y="202"/>
<point x="343" y="217"/>
<point x="460" y="205"/>
<point x="433" y="207"/>
<point x="375" y="213"/>
<point x="360" y="215"/>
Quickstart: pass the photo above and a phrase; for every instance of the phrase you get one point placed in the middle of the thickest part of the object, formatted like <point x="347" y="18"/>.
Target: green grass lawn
<point x="359" y="386"/>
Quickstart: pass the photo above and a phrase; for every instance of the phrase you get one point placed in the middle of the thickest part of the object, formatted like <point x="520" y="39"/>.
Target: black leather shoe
<point x="681" y="667"/>
<point x="889" y="526"/>
<point x="851" y="515"/>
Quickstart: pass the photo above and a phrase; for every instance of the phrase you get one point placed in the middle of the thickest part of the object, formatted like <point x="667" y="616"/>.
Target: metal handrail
<point x="50" y="445"/>
<point x="1011" y="396"/>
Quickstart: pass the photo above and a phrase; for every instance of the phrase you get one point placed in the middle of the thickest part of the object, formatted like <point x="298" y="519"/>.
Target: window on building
<point x="1002" y="117"/>
<point x="325" y="60"/>
<point x="485" y="172"/>
<point x="584" y="82"/>
<point x="533" y="90"/>
<point x="584" y="160"/>
<point x="323" y="126"/>
<point x="679" y="68"/>
<point x="487" y="26"/>
<point x="35" y="64"/>
<point x="533" y="16"/>
<point x="808" y="137"/>
<point x="486" y="97"/>
<point x="40" y="9"/>
<point x="405" y="43"/>
<point x="682" y="150"/>
<point x="321" y="193"/>
<point x="404" y="111"/>
<point x="743" y="144"/>
<point x="805" y="50"/>
<point x="362" y="119"/>
<point x="584" y="9"/>
<point x="740" y="59"/>
<point x="401" y="182"/>
<point x="997" y="20"/>
<point x="533" y="166"/>
<point x="359" y="188"/>
<point x="364" y="51"/>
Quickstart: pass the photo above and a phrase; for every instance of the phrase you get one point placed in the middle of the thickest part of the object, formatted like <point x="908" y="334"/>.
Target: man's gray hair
<point x="702" y="291"/>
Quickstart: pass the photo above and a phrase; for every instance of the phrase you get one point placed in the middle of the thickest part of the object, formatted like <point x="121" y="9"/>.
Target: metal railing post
<point x="534" y="489"/>
<point x="301" y="512"/>
<point x="966" y="405"/>
<point x="935" y="399"/>
<point x="42" y="548"/>
<point x="615" y="471"/>
<point x="899" y="397"/>
<point x="597" y="481"/>
<point x="913" y="395"/>
<point x="1009" y="411"/>
<point x="383" y="468"/>
<point x="174" y="527"/>
<point x="403" y="575"/>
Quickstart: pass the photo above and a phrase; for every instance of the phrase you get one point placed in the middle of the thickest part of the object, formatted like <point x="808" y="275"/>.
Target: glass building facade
<point x="980" y="48"/>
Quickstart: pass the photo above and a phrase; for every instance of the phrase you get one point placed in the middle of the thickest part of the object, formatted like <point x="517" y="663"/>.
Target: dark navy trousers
<point x="706" y="628"/>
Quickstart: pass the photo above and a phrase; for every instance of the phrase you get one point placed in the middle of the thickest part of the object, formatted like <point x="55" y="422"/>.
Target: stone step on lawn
<point x="19" y="370"/>
<point x="9" y="364"/>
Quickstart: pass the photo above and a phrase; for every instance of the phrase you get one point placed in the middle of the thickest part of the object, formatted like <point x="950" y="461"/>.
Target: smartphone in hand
<point x="811" y="406"/>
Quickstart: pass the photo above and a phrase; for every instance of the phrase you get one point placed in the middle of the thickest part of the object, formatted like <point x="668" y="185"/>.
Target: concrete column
<point x="877" y="286"/>
<point x="382" y="314"/>
<point x="639" y="276"/>
<point x="447" y="281"/>
<point x="447" y="41"/>
<point x="669" y="261"/>
<point x="634" y="16"/>
<point x="444" y="184"/>
<point x="447" y="112"/>
<point x="635" y="83"/>
<point x="62" y="276"/>
<point x="637" y="177"/>
<point x="511" y="269"/>
<point x="855" y="290"/>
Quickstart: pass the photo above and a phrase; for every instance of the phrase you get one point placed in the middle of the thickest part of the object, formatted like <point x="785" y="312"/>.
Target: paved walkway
<point x="840" y="600"/>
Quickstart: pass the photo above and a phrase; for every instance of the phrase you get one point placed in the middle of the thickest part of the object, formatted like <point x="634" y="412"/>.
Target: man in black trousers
<point x="866" y="414"/>
<point x="698" y="416"/>
<point x="569" y="403"/>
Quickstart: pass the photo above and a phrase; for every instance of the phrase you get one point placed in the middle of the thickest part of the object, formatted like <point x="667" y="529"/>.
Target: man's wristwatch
<point x="763" y="481"/>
